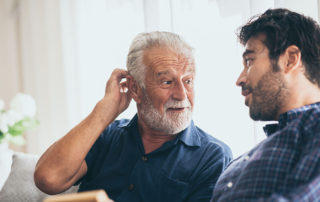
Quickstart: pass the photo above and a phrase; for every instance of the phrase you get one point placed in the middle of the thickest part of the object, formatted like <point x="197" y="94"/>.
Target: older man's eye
<point x="189" y="81"/>
<point x="167" y="82"/>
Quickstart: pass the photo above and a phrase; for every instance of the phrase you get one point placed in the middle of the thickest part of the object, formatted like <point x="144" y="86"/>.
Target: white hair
<point x="146" y="41"/>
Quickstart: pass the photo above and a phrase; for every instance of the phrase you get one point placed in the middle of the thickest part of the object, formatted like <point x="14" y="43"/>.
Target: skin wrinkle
<point x="167" y="89"/>
<point x="170" y="122"/>
<point x="174" y="60"/>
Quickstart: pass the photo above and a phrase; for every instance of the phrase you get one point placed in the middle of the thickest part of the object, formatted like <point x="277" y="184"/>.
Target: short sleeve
<point x="94" y="151"/>
<point x="93" y="155"/>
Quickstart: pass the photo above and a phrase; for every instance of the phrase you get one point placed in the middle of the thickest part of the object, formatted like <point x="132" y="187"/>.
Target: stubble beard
<point x="268" y="97"/>
<point x="171" y="122"/>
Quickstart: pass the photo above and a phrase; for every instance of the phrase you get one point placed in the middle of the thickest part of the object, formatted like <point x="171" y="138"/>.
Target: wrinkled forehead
<point x="162" y="58"/>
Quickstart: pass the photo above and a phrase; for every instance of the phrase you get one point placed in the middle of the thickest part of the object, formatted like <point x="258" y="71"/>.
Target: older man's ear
<point x="134" y="89"/>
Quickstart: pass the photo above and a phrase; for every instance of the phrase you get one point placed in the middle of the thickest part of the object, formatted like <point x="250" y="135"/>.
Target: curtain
<point x="62" y="53"/>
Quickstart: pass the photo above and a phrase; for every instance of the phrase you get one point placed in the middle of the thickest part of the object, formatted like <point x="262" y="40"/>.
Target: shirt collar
<point x="132" y="123"/>
<point x="188" y="136"/>
<point x="289" y="116"/>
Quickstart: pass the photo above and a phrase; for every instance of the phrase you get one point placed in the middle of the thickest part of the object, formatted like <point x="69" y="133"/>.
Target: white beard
<point x="169" y="123"/>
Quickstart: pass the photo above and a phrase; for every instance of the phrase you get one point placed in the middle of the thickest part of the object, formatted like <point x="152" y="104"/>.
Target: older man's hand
<point x="117" y="98"/>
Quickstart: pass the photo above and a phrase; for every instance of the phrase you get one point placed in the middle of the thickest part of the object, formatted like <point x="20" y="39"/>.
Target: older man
<point x="159" y="155"/>
<point x="280" y="81"/>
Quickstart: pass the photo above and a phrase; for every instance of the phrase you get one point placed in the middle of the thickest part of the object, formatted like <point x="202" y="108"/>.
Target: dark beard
<point x="268" y="97"/>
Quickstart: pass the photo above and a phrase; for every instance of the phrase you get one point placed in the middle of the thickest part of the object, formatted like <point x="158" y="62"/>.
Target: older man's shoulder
<point x="212" y="143"/>
<point x="116" y="128"/>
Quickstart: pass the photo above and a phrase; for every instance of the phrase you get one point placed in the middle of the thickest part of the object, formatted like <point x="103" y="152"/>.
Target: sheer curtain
<point x="66" y="50"/>
<point x="103" y="30"/>
<point x="96" y="37"/>
<point x="62" y="53"/>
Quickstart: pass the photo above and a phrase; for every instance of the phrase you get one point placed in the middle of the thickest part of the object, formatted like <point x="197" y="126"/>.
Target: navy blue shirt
<point x="283" y="167"/>
<point x="184" y="169"/>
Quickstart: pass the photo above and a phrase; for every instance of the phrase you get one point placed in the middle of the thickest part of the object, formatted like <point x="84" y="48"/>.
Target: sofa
<point x="19" y="186"/>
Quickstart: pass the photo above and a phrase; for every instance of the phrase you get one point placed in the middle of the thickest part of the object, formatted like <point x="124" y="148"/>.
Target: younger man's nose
<point x="242" y="78"/>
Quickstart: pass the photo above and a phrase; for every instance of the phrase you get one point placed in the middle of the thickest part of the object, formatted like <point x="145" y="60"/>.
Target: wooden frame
<point x="90" y="196"/>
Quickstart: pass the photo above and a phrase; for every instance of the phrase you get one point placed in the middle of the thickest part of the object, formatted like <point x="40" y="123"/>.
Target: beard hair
<point x="171" y="122"/>
<point x="268" y="97"/>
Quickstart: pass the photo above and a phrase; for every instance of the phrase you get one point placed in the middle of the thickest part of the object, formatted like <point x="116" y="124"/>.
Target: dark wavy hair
<point x="283" y="28"/>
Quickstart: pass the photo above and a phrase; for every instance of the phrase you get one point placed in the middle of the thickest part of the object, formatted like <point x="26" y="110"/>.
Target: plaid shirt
<point x="283" y="167"/>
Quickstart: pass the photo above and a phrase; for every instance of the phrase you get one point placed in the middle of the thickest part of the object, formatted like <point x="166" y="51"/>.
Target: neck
<point x="152" y="139"/>
<point x="301" y="95"/>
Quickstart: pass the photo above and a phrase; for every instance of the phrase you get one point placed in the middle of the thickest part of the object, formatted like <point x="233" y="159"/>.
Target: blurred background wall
<point x="62" y="52"/>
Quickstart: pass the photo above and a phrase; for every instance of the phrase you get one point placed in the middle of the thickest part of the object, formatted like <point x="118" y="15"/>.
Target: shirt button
<point x="246" y="158"/>
<point x="144" y="158"/>
<point x="230" y="184"/>
<point x="131" y="187"/>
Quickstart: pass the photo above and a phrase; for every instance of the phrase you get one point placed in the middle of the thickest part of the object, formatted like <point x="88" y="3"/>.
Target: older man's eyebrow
<point x="190" y="69"/>
<point x="247" y="52"/>
<point x="162" y="73"/>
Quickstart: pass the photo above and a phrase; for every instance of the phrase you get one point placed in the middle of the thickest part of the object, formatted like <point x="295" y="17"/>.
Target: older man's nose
<point x="179" y="91"/>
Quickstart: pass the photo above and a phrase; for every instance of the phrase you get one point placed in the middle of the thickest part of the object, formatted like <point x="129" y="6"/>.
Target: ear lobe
<point x="293" y="56"/>
<point x="134" y="89"/>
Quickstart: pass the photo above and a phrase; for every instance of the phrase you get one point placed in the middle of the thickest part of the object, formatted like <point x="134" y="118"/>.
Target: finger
<point x="124" y="84"/>
<point x="128" y="97"/>
<point x="116" y="76"/>
<point x="123" y="87"/>
<point x="119" y="74"/>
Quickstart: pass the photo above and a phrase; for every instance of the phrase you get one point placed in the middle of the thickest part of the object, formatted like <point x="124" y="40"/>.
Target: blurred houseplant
<point x="17" y="119"/>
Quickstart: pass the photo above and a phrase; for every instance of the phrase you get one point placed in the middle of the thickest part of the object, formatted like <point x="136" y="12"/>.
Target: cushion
<point x="5" y="163"/>
<point x="20" y="185"/>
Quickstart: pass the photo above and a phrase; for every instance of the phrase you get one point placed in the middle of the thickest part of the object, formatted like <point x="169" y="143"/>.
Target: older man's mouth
<point x="176" y="109"/>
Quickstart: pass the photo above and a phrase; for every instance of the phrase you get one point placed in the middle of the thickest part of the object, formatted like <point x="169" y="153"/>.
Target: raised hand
<point x="63" y="164"/>
<point x="117" y="98"/>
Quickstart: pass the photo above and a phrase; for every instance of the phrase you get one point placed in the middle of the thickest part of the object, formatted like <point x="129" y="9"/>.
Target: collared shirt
<point x="283" y="167"/>
<point x="184" y="169"/>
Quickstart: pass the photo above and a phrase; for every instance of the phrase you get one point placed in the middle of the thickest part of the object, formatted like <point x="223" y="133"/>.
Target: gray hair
<point x="146" y="41"/>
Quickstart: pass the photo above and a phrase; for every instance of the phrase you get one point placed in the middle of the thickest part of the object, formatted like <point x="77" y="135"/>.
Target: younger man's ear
<point x="293" y="58"/>
<point x="134" y="89"/>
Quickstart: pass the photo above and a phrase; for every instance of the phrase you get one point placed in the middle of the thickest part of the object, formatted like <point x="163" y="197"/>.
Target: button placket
<point x="144" y="158"/>
<point x="130" y="187"/>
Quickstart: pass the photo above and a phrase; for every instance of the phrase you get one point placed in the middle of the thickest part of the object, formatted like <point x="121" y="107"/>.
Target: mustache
<point x="177" y="104"/>
<point x="246" y="88"/>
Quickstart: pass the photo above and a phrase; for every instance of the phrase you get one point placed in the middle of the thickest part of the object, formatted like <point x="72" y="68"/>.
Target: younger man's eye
<point x="248" y="61"/>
